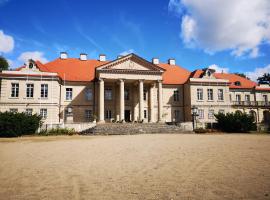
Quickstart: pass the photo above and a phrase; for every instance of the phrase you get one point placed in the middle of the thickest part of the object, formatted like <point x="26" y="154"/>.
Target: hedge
<point x="235" y="122"/>
<point x="18" y="124"/>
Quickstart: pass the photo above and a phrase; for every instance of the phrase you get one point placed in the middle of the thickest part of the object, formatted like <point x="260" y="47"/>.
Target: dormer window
<point x="208" y="73"/>
<point x="31" y="65"/>
<point x="237" y="83"/>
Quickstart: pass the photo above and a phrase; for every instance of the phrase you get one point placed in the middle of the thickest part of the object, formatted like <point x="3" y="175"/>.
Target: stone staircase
<point x="132" y="128"/>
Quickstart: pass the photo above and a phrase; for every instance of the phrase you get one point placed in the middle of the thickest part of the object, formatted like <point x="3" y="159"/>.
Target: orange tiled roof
<point x="244" y="82"/>
<point x="174" y="74"/>
<point x="72" y="69"/>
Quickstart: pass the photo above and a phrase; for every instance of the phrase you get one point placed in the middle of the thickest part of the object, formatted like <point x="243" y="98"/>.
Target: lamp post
<point x="194" y="113"/>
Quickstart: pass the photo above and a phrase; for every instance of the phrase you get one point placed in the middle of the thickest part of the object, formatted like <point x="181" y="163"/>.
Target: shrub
<point x="235" y="122"/>
<point x="57" y="131"/>
<point x="18" y="124"/>
<point x="200" y="130"/>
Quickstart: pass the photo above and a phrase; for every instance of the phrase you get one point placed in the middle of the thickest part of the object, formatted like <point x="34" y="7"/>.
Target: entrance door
<point x="127" y="115"/>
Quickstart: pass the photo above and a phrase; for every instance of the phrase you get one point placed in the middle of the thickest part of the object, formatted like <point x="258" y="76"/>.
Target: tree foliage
<point x="3" y="64"/>
<point x="18" y="124"/>
<point x="264" y="79"/>
<point x="235" y="122"/>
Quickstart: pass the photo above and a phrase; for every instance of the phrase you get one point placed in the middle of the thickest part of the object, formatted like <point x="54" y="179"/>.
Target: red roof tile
<point x="72" y="69"/>
<point x="174" y="74"/>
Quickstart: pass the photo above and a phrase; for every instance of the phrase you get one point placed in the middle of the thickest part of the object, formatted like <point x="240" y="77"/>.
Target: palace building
<point x="128" y="89"/>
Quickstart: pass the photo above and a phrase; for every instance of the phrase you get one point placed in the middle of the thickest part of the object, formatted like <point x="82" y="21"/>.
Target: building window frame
<point x="176" y="95"/>
<point x="29" y="111"/>
<point x="210" y="94"/>
<point x="108" y="94"/>
<point x="13" y="110"/>
<point x="88" y="114"/>
<point x="69" y="94"/>
<point x="211" y="113"/>
<point x="220" y="94"/>
<point x="144" y="94"/>
<point x="200" y="113"/>
<point x="15" y="90"/>
<point x="126" y="94"/>
<point x="43" y="113"/>
<point x="88" y="94"/>
<point x="238" y="97"/>
<point x="29" y="90"/>
<point x="200" y="94"/>
<point x="44" y="90"/>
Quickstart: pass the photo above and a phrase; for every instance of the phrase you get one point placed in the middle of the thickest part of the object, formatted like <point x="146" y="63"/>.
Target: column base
<point x="161" y="121"/>
<point x="101" y="122"/>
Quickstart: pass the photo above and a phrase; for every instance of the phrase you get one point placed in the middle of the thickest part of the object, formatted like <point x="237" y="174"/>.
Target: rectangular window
<point x="108" y="114"/>
<point x="220" y="95"/>
<point x="211" y="114"/>
<point x="88" y="114"/>
<point x="14" y="89"/>
<point x="210" y="94"/>
<point x="108" y="94"/>
<point x="44" y="91"/>
<point x="29" y="111"/>
<point x="247" y="98"/>
<point x="238" y="97"/>
<point x="265" y="98"/>
<point x="126" y="94"/>
<point x="145" y="114"/>
<point x="144" y="94"/>
<point x="43" y="113"/>
<point x="13" y="110"/>
<point x="176" y="95"/>
<point x="230" y="97"/>
<point x="199" y="94"/>
<point x="200" y="113"/>
<point x="177" y="115"/>
<point x="68" y="93"/>
<point x="88" y="94"/>
<point x="29" y="90"/>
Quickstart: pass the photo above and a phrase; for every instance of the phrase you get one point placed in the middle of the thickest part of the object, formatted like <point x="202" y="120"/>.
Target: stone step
<point x="129" y="128"/>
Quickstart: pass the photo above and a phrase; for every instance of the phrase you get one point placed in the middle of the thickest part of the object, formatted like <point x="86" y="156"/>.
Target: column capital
<point x="141" y="80"/>
<point x="159" y="81"/>
<point x="122" y="80"/>
<point x="100" y="79"/>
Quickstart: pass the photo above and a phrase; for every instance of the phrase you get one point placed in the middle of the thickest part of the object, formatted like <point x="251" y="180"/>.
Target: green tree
<point x="264" y="79"/>
<point x="235" y="122"/>
<point x="3" y="64"/>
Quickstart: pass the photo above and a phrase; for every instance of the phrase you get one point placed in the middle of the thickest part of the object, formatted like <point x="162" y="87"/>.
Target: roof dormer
<point x="208" y="73"/>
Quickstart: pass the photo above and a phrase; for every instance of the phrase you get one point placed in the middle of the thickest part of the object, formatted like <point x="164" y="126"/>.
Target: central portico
<point x="130" y="84"/>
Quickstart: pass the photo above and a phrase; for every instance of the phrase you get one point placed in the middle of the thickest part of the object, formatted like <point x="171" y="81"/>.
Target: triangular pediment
<point x="130" y="62"/>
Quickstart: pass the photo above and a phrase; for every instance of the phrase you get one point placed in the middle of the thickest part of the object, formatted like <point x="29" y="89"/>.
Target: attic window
<point x="237" y="83"/>
<point x="31" y="65"/>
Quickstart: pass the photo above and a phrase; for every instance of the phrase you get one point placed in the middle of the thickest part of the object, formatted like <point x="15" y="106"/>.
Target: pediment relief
<point x="130" y="63"/>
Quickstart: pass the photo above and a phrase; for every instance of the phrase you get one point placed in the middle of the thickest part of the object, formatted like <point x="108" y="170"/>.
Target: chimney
<point x="155" y="61"/>
<point x="83" y="56"/>
<point x="63" y="55"/>
<point x="102" y="57"/>
<point x="171" y="61"/>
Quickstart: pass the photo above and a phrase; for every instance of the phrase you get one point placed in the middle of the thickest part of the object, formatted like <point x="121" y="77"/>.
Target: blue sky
<point x="194" y="34"/>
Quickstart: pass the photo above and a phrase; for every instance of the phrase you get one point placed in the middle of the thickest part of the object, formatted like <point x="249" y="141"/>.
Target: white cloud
<point x="258" y="72"/>
<point x="124" y="53"/>
<point x="6" y="42"/>
<point x="216" y="25"/>
<point x="218" y="68"/>
<point x="35" y="55"/>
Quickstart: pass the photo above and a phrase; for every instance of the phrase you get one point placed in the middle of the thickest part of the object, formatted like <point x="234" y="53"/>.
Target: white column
<point x="122" y="100"/>
<point x="160" y="102"/>
<point x="151" y="102"/>
<point x="101" y="101"/>
<point x="141" y="106"/>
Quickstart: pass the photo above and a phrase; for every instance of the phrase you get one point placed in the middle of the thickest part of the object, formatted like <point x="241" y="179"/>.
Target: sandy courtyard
<point x="136" y="167"/>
